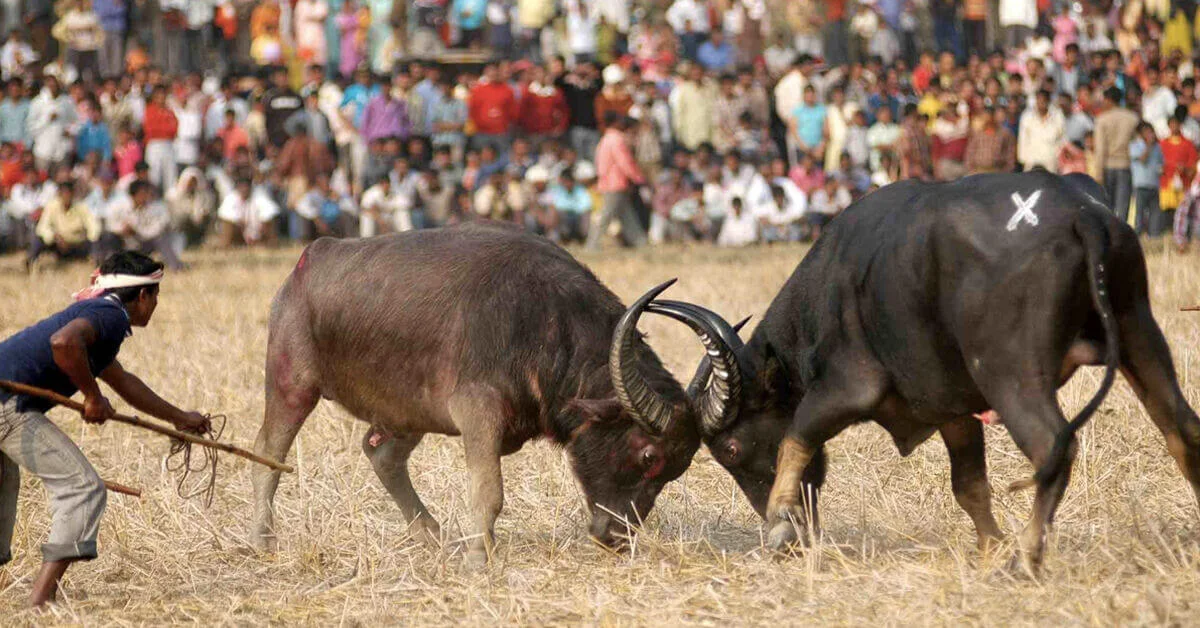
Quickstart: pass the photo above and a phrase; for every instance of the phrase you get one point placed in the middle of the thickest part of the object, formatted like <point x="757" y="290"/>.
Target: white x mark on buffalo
<point x="1024" y="210"/>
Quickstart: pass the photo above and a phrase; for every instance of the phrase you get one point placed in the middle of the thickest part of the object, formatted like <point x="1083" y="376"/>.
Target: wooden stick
<point x="48" y="395"/>
<point x="1194" y="308"/>
<point x="122" y="489"/>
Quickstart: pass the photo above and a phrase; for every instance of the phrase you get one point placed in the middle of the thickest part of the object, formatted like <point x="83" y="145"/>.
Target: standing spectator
<point x="113" y="15"/>
<point x="491" y="108"/>
<point x="1018" y="18"/>
<point x="581" y="30"/>
<point x="619" y="178"/>
<point x="991" y="147"/>
<point x="1187" y="218"/>
<point x="691" y="110"/>
<point x="469" y="15"/>
<point x="1042" y="130"/>
<point x="1178" y="166"/>
<point x="613" y="96"/>
<point x="808" y="127"/>
<point x="542" y="108"/>
<point x="14" y="114"/>
<point x="312" y="119"/>
<point x="16" y="55"/>
<point x="94" y="137"/>
<point x="80" y="32"/>
<point x="688" y="15"/>
<point x="1146" y="169"/>
<point x="309" y="19"/>
<point x="727" y="110"/>
<point x="580" y="88"/>
<point x="1115" y="128"/>
<point x="1159" y="101"/>
<point x="352" y="39"/>
<point x="302" y="161"/>
<point x="716" y="55"/>
<point x="949" y="144"/>
<point x="883" y="136"/>
<point x="160" y="128"/>
<point x="448" y="118"/>
<point x="51" y="116"/>
<point x="280" y="102"/>
<point x="913" y="148"/>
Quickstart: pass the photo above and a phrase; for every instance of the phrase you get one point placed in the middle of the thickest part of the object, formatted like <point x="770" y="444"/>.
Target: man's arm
<point x="138" y="394"/>
<point x="69" y="346"/>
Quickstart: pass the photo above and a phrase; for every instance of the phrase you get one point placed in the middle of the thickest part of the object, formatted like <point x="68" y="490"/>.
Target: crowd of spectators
<point x="160" y="124"/>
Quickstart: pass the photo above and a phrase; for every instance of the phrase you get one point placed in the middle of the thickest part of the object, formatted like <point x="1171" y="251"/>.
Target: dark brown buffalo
<point x="925" y="304"/>
<point x="491" y="334"/>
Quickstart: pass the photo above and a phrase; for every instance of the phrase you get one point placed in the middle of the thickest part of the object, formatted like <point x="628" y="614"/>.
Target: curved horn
<point x="704" y="371"/>
<point x="721" y="400"/>
<point x="634" y="393"/>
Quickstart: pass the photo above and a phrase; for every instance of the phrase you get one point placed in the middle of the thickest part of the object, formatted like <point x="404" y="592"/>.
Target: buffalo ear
<point x="599" y="410"/>
<point x="771" y="376"/>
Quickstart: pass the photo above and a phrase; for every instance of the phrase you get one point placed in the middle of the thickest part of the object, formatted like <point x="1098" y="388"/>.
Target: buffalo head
<point x="629" y="446"/>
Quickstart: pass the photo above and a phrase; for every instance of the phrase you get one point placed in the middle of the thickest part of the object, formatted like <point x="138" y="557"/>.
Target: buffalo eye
<point x="730" y="452"/>
<point x="651" y="461"/>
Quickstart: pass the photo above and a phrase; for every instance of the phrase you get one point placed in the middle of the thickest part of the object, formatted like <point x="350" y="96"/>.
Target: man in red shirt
<point x="619" y="177"/>
<point x="159" y="128"/>
<point x="543" y="109"/>
<point x="491" y="108"/>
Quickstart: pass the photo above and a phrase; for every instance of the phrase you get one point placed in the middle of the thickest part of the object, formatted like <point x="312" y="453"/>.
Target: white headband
<point x="103" y="283"/>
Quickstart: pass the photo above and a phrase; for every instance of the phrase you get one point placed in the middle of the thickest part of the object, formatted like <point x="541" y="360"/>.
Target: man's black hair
<point x="1113" y="95"/>
<point x="130" y="263"/>
<point x="611" y="118"/>
<point x="141" y="166"/>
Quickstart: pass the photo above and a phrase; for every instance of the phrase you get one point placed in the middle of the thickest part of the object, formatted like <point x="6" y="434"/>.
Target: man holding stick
<point x="65" y="353"/>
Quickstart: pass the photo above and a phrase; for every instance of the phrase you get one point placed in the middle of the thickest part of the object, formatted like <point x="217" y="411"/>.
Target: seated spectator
<point x="191" y="203"/>
<point x="826" y="202"/>
<point x="500" y="198"/>
<point x="780" y="219"/>
<point x="688" y="220"/>
<point x="66" y="228"/>
<point x="144" y="225"/>
<point x="739" y="228"/>
<point x="24" y="207"/>
<point x="247" y="215"/>
<point x="383" y="210"/>
<point x="321" y="213"/>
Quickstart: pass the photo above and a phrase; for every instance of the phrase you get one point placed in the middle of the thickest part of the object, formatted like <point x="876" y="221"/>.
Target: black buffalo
<point x="492" y="334"/>
<point x="925" y="304"/>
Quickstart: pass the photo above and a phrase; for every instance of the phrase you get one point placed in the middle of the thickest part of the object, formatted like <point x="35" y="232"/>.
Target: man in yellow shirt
<point x="66" y="227"/>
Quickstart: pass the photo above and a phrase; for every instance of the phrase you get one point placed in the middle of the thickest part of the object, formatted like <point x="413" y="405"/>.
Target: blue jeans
<point x="948" y="40"/>
<point x="1149" y="214"/>
<point x="1118" y="184"/>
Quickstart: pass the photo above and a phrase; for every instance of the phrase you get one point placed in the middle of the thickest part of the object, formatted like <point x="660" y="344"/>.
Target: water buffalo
<point x="491" y="334"/>
<point x="925" y="304"/>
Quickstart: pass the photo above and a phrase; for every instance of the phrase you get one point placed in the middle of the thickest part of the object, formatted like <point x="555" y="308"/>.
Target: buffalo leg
<point x="826" y="410"/>
<point x="389" y="458"/>
<point x="1146" y="364"/>
<point x="1034" y="420"/>
<point x="288" y="405"/>
<point x="476" y="414"/>
<point x="968" y="476"/>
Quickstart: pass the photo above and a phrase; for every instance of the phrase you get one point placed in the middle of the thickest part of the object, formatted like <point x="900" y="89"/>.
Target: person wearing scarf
<point x="67" y="353"/>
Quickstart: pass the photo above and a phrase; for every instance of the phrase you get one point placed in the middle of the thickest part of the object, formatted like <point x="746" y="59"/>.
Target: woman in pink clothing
<point x="309" y="16"/>
<point x="1066" y="31"/>
<point x="352" y="50"/>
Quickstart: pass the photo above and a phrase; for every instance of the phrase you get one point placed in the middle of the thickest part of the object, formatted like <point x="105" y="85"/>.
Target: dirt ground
<point x="898" y="550"/>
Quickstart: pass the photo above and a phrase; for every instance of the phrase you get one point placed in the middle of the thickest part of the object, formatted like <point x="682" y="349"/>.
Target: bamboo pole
<point x="23" y="389"/>
<point x="122" y="489"/>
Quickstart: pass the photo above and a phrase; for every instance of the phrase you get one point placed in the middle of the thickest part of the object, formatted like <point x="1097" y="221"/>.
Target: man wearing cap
<point x="66" y="353"/>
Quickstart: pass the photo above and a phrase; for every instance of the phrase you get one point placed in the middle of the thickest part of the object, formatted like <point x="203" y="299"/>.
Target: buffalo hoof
<point x="264" y="541"/>
<point x="783" y="535"/>
<point x="476" y="559"/>
<point x="426" y="531"/>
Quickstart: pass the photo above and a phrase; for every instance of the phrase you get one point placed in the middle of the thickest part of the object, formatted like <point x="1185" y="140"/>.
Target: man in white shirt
<point x="1042" y="130"/>
<point x="247" y="213"/>
<point x="16" y="56"/>
<point x="683" y="12"/>
<point x="51" y="116"/>
<point x="1159" y="103"/>
<point x="383" y="210"/>
<point x="740" y="227"/>
<point x="144" y="224"/>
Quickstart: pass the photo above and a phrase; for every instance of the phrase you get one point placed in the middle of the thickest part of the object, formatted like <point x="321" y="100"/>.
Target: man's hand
<point x="193" y="422"/>
<point x="97" y="409"/>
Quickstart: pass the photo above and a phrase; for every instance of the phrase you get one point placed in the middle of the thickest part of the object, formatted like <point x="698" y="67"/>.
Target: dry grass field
<point x="898" y="550"/>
